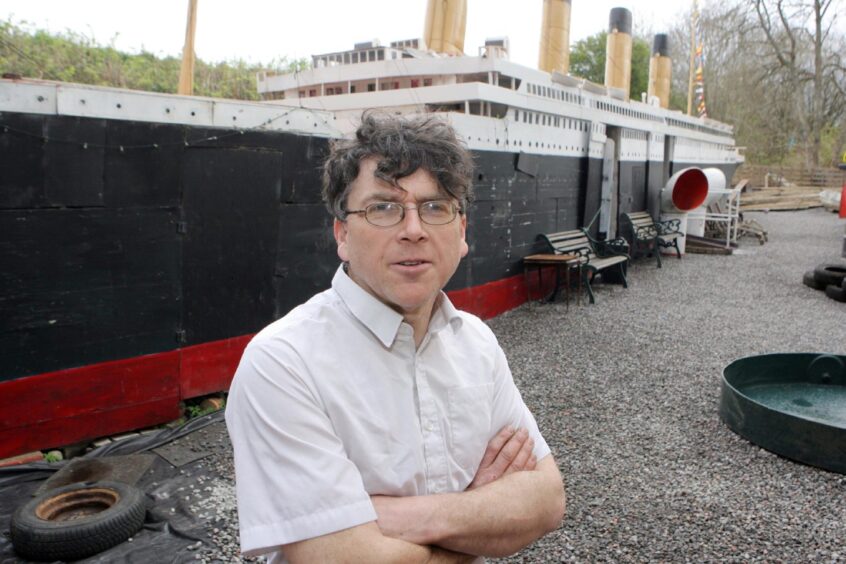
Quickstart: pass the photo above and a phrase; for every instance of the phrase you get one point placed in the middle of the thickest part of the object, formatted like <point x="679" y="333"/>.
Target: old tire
<point x="837" y="293"/>
<point x="810" y="281"/>
<point x="830" y="274"/>
<point x="77" y="521"/>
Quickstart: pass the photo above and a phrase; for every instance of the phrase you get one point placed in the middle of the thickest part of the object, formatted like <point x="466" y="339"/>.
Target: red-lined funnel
<point x="686" y="190"/>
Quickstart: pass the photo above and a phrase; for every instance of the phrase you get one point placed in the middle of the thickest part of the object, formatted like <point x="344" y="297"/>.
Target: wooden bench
<point x="592" y="256"/>
<point x="647" y="235"/>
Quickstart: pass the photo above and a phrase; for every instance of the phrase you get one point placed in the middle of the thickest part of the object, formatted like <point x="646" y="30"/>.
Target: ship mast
<point x="186" y="73"/>
<point x="693" y="16"/>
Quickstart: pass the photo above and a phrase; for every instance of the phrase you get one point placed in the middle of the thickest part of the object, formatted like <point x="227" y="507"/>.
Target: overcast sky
<point x="261" y="30"/>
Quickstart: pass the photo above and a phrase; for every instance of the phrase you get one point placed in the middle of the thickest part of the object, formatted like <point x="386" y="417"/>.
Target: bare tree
<point x="801" y="55"/>
<point x="735" y="89"/>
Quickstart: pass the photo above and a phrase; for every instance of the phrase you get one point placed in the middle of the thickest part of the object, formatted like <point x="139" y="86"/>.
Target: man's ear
<point x="340" y="230"/>
<point x="463" y="226"/>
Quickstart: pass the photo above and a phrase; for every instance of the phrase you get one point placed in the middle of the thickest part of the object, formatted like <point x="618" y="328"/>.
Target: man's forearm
<point x="366" y="544"/>
<point x="497" y="519"/>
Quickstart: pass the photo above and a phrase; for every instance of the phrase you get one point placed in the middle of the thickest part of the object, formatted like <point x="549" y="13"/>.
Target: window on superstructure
<point x="380" y="54"/>
<point x="427" y="82"/>
<point x="312" y="92"/>
<point x="371" y="55"/>
<point x="352" y="89"/>
<point x="302" y="93"/>
<point x="371" y="87"/>
<point x="415" y="82"/>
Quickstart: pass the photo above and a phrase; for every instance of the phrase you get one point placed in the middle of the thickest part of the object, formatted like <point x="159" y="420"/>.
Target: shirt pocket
<point x="470" y="424"/>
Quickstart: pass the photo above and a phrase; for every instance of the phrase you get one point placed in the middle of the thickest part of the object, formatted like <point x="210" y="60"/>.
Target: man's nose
<point x="412" y="227"/>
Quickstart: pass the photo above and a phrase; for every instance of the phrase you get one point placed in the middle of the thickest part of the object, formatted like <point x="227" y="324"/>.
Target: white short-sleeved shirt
<point x="333" y="403"/>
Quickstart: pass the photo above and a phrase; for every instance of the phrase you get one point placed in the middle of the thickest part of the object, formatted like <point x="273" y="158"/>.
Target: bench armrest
<point x="667" y="227"/>
<point x="646" y="232"/>
<point x="614" y="247"/>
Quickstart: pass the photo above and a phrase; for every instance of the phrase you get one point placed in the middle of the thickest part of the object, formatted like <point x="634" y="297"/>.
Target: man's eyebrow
<point x="385" y="196"/>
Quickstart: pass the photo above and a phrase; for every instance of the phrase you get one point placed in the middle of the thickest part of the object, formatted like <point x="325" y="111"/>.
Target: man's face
<point x="406" y="265"/>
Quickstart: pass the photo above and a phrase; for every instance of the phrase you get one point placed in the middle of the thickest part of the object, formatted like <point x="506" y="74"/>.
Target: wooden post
<point x="186" y="74"/>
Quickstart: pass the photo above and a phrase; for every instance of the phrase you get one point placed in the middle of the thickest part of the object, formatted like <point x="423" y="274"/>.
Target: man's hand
<point x="496" y="519"/>
<point x="509" y="451"/>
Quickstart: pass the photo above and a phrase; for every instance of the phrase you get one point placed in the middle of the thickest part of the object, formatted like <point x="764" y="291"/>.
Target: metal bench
<point x="647" y="235"/>
<point x="592" y="256"/>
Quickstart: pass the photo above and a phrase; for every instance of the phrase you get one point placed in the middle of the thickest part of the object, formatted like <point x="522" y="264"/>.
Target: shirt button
<point x="429" y="427"/>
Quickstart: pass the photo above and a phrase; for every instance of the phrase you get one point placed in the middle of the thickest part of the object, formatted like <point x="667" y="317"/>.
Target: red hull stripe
<point x="79" y="404"/>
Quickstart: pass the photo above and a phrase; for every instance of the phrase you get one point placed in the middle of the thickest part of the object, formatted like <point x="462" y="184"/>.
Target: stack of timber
<point x="707" y="246"/>
<point x="780" y="198"/>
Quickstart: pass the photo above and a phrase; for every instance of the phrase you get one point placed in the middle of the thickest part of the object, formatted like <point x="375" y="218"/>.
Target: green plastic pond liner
<point x="793" y="404"/>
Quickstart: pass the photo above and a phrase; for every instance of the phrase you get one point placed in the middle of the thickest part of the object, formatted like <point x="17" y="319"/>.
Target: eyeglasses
<point x="388" y="214"/>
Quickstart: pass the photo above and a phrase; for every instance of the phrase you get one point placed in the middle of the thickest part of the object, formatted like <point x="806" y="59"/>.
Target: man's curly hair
<point x="400" y="147"/>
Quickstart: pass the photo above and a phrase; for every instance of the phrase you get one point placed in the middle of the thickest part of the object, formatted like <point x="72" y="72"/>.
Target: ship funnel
<point x="618" y="51"/>
<point x="660" y="70"/>
<point x="446" y="22"/>
<point x="686" y="190"/>
<point x="554" y="52"/>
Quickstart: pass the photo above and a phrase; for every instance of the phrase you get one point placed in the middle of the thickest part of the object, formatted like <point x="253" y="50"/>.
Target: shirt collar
<point x="380" y="319"/>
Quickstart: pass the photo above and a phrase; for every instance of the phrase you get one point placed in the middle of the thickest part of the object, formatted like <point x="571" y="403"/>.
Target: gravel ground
<point x="626" y="394"/>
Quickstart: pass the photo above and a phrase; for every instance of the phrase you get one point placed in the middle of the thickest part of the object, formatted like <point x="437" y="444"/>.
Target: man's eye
<point x="437" y="207"/>
<point x="382" y="207"/>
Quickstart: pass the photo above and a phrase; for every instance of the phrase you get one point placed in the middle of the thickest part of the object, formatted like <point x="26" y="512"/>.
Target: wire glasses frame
<point x="388" y="214"/>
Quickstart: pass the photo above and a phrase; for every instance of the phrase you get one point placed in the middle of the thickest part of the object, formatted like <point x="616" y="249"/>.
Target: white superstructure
<point x="497" y="104"/>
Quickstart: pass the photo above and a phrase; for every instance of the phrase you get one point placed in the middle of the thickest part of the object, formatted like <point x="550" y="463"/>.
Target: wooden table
<point x="540" y="260"/>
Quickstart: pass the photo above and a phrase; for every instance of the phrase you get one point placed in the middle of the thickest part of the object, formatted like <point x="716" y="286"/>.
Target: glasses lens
<point x="436" y="212"/>
<point x="384" y="214"/>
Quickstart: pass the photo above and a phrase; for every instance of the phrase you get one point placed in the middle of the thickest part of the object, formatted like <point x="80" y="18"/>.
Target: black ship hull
<point x="139" y="258"/>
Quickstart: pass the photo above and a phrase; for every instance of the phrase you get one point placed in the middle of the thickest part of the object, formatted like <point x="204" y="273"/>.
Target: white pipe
<point x="716" y="185"/>
<point x="684" y="191"/>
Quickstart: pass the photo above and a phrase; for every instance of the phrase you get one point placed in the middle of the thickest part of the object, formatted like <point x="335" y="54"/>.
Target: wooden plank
<point x="491" y="299"/>
<point x="86" y="426"/>
<point x="209" y="367"/>
<point x="65" y="394"/>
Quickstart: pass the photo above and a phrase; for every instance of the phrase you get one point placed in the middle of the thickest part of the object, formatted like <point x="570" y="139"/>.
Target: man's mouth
<point x="411" y="262"/>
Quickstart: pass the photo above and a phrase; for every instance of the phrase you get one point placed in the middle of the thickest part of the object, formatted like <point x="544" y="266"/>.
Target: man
<point x="376" y="423"/>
